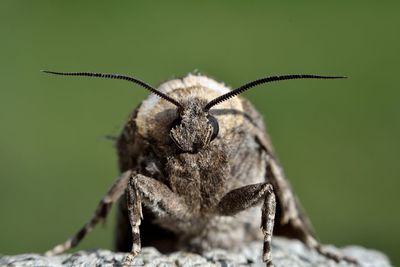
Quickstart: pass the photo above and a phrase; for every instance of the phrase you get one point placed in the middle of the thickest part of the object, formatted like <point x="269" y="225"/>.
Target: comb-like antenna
<point x="119" y="77"/>
<point x="260" y="81"/>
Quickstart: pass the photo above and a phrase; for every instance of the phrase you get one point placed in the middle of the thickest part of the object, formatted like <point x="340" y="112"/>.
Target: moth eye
<point x="175" y="123"/>
<point x="214" y="124"/>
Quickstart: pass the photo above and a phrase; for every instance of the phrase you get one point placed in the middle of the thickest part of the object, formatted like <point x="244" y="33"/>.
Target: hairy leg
<point x="156" y="196"/>
<point x="135" y="215"/>
<point x="117" y="189"/>
<point x="248" y="196"/>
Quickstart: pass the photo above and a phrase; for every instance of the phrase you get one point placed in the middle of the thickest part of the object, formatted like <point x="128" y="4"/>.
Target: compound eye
<point x="175" y="123"/>
<point x="215" y="126"/>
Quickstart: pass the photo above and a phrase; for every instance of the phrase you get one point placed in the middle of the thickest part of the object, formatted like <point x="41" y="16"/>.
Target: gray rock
<point x="286" y="253"/>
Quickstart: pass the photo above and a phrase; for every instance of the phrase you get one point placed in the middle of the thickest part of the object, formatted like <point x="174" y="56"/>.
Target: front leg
<point x="164" y="203"/>
<point x="249" y="196"/>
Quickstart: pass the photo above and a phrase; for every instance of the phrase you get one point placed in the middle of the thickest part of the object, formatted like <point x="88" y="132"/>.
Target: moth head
<point x="194" y="128"/>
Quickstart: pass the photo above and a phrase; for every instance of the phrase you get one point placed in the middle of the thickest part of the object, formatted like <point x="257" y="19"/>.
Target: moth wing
<point x="129" y="149"/>
<point x="291" y="220"/>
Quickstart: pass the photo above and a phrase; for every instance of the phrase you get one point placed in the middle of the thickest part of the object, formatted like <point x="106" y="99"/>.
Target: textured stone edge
<point x="285" y="253"/>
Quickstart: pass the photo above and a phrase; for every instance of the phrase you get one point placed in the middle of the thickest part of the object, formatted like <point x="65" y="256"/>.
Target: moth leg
<point x="335" y="256"/>
<point x="156" y="196"/>
<point x="117" y="189"/>
<point x="248" y="196"/>
<point x="135" y="215"/>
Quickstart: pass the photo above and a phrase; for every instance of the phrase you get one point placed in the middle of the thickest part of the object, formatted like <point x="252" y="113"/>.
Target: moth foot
<point x="58" y="249"/>
<point x="336" y="256"/>
<point x="269" y="264"/>
<point x="129" y="258"/>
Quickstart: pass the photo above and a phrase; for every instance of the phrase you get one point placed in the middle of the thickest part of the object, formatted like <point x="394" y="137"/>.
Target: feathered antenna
<point x="119" y="77"/>
<point x="260" y="81"/>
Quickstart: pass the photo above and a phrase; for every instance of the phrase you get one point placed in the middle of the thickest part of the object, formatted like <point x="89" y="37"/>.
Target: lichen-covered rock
<point x="285" y="253"/>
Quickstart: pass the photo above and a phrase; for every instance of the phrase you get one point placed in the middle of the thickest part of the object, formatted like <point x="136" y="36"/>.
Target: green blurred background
<point x="338" y="140"/>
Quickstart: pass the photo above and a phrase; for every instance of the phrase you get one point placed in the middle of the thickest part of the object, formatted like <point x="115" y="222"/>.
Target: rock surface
<point x="285" y="253"/>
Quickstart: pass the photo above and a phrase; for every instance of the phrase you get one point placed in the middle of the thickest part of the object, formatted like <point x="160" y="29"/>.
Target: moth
<point x="198" y="171"/>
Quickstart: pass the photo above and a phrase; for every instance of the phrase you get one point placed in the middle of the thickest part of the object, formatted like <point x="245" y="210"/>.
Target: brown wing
<point x="291" y="220"/>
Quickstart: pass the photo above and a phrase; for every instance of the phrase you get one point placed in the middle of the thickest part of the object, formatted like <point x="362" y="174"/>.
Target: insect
<point x="199" y="169"/>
